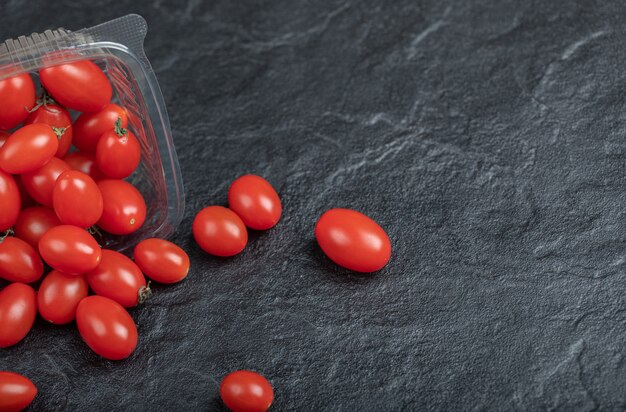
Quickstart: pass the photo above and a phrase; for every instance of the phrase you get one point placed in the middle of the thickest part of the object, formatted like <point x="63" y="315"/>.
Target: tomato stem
<point x="6" y="234"/>
<point x="59" y="131"/>
<point x="144" y="293"/>
<point x="119" y="130"/>
<point x="44" y="100"/>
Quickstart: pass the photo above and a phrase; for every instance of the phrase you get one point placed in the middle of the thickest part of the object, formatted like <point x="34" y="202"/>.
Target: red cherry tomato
<point x="33" y="223"/>
<point x="89" y="127"/>
<point x="10" y="201"/>
<point x="59" y="296"/>
<point x="106" y="327"/>
<point x="19" y="262"/>
<point x="3" y="137"/>
<point x="28" y="149"/>
<point x="255" y="201"/>
<point x="39" y="183"/>
<point x="70" y="249"/>
<point x="16" y="392"/>
<point x="18" y="308"/>
<point x="353" y="240"/>
<point x="85" y="163"/>
<point x="161" y="260"/>
<point x="118" y="278"/>
<point x="219" y="231"/>
<point x="118" y="152"/>
<point x="73" y="185"/>
<point x="246" y="391"/>
<point x="80" y="85"/>
<point x="124" y="208"/>
<point x="17" y="96"/>
<point x="59" y="119"/>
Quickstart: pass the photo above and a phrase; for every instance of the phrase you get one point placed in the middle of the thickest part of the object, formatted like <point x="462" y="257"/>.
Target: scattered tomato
<point x="89" y="127"/>
<point x="246" y="391"/>
<point x="86" y="163"/>
<point x="33" y="223"/>
<point x="73" y="185"/>
<point x="17" y="96"/>
<point x="59" y="119"/>
<point x="28" y="149"/>
<point x="18" y="309"/>
<point x="219" y="231"/>
<point x="19" y="262"/>
<point x="106" y="327"/>
<point x="10" y="201"/>
<point x="118" y="152"/>
<point x="124" y="207"/>
<point x="59" y="296"/>
<point x="118" y="278"/>
<point x="255" y="201"/>
<point x="16" y="392"/>
<point x="161" y="260"/>
<point x="39" y="183"/>
<point x="70" y="249"/>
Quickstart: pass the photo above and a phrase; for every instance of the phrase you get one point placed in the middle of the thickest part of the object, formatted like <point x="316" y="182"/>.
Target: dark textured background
<point x="486" y="137"/>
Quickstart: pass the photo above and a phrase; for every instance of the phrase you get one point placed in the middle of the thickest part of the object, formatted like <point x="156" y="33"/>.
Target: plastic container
<point x="117" y="47"/>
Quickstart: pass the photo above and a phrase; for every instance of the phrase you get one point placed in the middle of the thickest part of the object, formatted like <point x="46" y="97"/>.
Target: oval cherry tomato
<point x="118" y="152"/>
<point x="161" y="260"/>
<point x="353" y="240"/>
<point x="73" y="185"/>
<point x="85" y="163"/>
<point x="59" y="119"/>
<point x="124" y="208"/>
<point x="39" y="183"/>
<point x="33" y="223"/>
<point x="17" y="96"/>
<point x="10" y="201"/>
<point x="80" y="85"/>
<point x="219" y="231"/>
<point x="246" y="391"/>
<point x="59" y="296"/>
<point x="18" y="308"/>
<point x="16" y="392"/>
<point x="3" y="137"/>
<point x="19" y="262"/>
<point x="118" y="278"/>
<point x="106" y="327"/>
<point x="89" y="127"/>
<point x="255" y="201"/>
<point x="28" y="149"/>
<point x="70" y="249"/>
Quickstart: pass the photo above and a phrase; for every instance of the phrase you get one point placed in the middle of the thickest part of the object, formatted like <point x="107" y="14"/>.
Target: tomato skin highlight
<point x="246" y="391"/>
<point x="255" y="201"/>
<point x="10" y="201"/>
<point x="117" y="278"/>
<point x="33" y="223"/>
<point x="19" y="262"/>
<point x="28" y="149"/>
<point x="59" y="295"/>
<point x="17" y="94"/>
<point x="86" y="163"/>
<point x="76" y="199"/>
<point x="18" y="309"/>
<point x="161" y="261"/>
<point x="70" y="249"/>
<point x="89" y="127"/>
<point x="124" y="209"/>
<point x="58" y="117"/>
<point x="353" y="240"/>
<point x="118" y="156"/>
<point x="39" y="183"/>
<point x="219" y="231"/>
<point x="16" y="392"/>
<point x="79" y="85"/>
<point x="106" y="327"/>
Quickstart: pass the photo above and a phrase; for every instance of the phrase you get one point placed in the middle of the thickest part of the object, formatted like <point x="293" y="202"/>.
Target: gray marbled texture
<point x="488" y="138"/>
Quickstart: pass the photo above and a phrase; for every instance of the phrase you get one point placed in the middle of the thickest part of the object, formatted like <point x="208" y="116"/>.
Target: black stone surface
<point x="486" y="137"/>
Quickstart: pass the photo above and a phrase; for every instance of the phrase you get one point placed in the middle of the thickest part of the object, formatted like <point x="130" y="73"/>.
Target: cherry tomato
<point x="39" y="183"/>
<point x="16" y="392"/>
<point x="18" y="309"/>
<point x="106" y="327"/>
<point x="118" y="152"/>
<point x="353" y="240"/>
<point x="89" y="127"/>
<point x="70" y="249"/>
<point x="246" y="391"/>
<point x="124" y="208"/>
<point x="59" y="296"/>
<point x="33" y="223"/>
<point x="28" y="149"/>
<point x="59" y="119"/>
<point x="73" y="185"/>
<point x="19" y="262"/>
<point x="17" y="96"/>
<point x="3" y="137"/>
<point x="10" y="201"/>
<point x="161" y="260"/>
<point x="255" y="201"/>
<point x="80" y="85"/>
<point x="219" y="231"/>
<point x="118" y="278"/>
<point x="85" y="163"/>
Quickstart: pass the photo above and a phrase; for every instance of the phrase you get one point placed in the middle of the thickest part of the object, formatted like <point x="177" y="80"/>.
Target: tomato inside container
<point x="117" y="48"/>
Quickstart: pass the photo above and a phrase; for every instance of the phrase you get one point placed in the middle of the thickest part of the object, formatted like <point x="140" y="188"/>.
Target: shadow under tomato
<point x="332" y="271"/>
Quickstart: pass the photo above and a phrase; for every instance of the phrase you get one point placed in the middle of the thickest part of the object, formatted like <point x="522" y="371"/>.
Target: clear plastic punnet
<point x="117" y="47"/>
